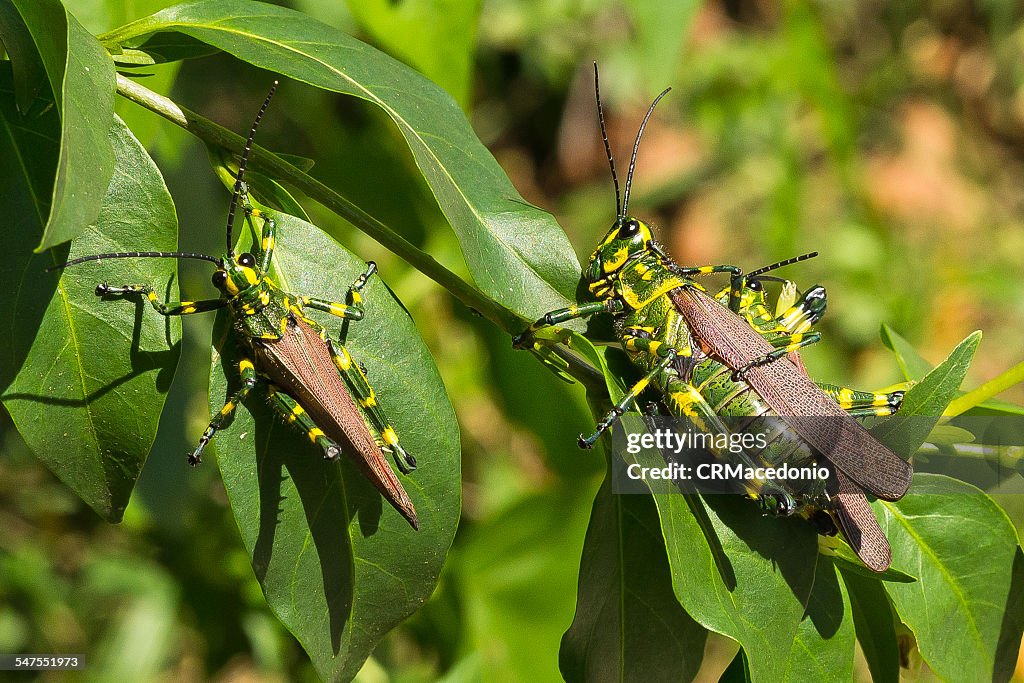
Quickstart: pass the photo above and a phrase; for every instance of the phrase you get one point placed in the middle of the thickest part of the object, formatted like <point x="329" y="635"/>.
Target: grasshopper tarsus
<point x="404" y="460"/>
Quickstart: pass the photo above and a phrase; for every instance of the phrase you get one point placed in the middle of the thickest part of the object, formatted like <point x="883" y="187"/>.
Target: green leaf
<point x="628" y="624"/>
<point x="735" y="571"/>
<point x="848" y="562"/>
<point x="824" y="644"/>
<point x="339" y="566"/>
<point x="84" y="379"/>
<point x="925" y="402"/>
<point x="873" y="619"/>
<point x="967" y="607"/>
<point x="910" y="361"/>
<point x="516" y="252"/>
<point x="29" y="73"/>
<point x="81" y="76"/>
<point x="435" y="37"/>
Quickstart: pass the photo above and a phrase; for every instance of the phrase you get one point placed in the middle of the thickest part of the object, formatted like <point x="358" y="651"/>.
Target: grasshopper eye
<point x="247" y="260"/>
<point x="219" y="278"/>
<point x="755" y="285"/>
<point x="629" y="229"/>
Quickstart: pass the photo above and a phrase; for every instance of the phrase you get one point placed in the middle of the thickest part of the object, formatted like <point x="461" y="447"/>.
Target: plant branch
<point x="274" y="166"/>
<point x="989" y="389"/>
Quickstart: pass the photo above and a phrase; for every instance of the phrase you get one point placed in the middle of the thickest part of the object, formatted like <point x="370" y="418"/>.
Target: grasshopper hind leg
<point x="364" y="394"/>
<point x="294" y="414"/>
<point x="248" y="373"/>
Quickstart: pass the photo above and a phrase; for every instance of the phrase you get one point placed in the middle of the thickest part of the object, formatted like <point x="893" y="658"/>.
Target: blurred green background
<point x="888" y="136"/>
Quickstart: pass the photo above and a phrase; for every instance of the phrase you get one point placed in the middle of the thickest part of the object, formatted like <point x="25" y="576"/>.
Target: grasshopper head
<point x="628" y="238"/>
<point x="237" y="274"/>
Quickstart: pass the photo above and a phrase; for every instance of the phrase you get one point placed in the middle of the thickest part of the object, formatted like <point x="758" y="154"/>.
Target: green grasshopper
<point x="312" y="381"/>
<point x="712" y="358"/>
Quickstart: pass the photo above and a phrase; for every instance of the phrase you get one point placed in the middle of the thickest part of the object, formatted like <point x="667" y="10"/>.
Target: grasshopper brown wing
<point x="798" y="400"/>
<point x="859" y="525"/>
<point x="301" y="361"/>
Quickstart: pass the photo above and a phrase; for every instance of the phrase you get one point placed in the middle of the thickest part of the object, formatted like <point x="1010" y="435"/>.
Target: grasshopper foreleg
<point x="163" y="308"/>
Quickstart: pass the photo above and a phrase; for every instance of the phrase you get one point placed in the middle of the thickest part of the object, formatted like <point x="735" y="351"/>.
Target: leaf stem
<point x="274" y="166"/>
<point x="989" y="389"/>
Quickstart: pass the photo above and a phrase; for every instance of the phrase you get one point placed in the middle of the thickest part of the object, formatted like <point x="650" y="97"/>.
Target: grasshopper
<point x="311" y="380"/>
<point x="714" y="357"/>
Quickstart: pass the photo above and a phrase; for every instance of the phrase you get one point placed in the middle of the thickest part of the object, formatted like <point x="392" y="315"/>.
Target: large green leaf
<point x="81" y="76"/>
<point x="966" y="608"/>
<point x="824" y="643"/>
<point x="84" y="379"/>
<point x="628" y="624"/>
<point x="516" y="252"/>
<point x="436" y="37"/>
<point x="736" y="572"/>
<point x="873" y="619"/>
<point x="338" y="565"/>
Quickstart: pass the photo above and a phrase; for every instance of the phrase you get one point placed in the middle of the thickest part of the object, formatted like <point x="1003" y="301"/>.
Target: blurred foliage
<point x="888" y="136"/>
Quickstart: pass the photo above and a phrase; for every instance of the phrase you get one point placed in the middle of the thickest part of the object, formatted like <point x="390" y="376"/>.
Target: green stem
<point x="994" y="386"/>
<point x="1008" y="457"/>
<point x="272" y="165"/>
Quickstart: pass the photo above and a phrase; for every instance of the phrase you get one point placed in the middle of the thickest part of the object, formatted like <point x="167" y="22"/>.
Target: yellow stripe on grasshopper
<point x="250" y="275"/>
<point x="845" y="397"/>
<point x="343" y="360"/>
<point x="389" y="436"/>
<point x="314" y="434"/>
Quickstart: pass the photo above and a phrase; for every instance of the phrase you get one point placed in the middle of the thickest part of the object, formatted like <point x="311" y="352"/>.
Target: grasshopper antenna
<point x="137" y="254"/>
<point x="241" y="169"/>
<point x="607" y="145"/>
<point x="780" y="264"/>
<point x="636" y="146"/>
